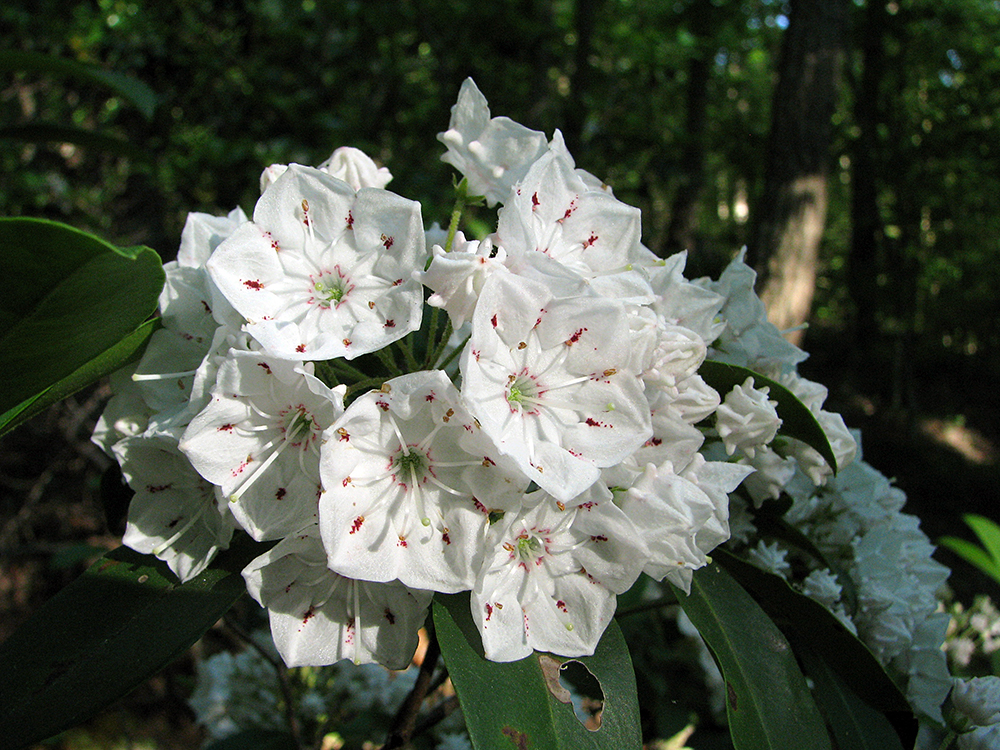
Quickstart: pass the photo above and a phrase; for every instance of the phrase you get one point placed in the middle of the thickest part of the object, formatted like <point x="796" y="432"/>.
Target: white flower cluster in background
<point x="575" y="447"/>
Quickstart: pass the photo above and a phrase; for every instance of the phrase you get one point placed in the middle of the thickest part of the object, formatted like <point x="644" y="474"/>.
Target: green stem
<point x="949" y="738"/>
<point x="456" y="216"/>
<point x="389" y="361"/>
<point x="432" y="344"/>
<point x="405" y="345"/>
<point x="444" y="343"/>
<point x="362" y="385"/>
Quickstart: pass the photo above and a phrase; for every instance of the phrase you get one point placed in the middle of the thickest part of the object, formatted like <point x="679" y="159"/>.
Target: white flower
<point x="679" y="521"/>
<point x="551" y="574"/>
<point x="492" y="154"/>
<point x="747" y="419"/>
<point x="356" y="168"/>
<point x="549" y="382"/>
<point x="771" y="558"/>
<point x="174" y="515"/>
<point x="977" y="699"/>
<point x="324" y="271"/>
<point x="552" y="211"/>
<point x="457" y="277"/>
<point x="258" y="439"/>
<point x="409" y="480"/>
<point x="319" y="617"/>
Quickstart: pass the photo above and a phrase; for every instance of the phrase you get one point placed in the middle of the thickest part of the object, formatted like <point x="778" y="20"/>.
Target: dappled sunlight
<point x="975" y="447"/>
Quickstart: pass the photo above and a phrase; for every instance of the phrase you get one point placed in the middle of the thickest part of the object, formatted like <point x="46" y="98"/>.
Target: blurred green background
<point x="669" y="102"/>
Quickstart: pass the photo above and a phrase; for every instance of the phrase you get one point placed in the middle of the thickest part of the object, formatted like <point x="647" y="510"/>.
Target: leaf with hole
<point x="527" y="706"/>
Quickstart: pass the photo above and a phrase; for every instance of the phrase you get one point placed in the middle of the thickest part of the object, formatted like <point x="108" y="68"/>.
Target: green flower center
<point x="529" y="548"/>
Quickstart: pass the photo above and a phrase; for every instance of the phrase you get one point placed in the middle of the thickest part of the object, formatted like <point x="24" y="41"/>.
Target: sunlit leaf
<point x="972" y="554"/>
<point x="796" y="419"/>
<point x="510" y="705"/>
<point x="988" y="533"/>
<point x="123" y="620"/>
<point x="768" y="703"/>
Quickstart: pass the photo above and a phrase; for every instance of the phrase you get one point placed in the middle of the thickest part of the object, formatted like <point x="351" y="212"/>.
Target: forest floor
<point x="932" y="425"/>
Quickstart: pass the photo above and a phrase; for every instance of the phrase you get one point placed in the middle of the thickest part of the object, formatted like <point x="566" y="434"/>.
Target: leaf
<point x="855" y="724"/>
<point x="972" y="554"/>
<point x="44" y="132"/>
<point x="768" y="702"/>
<point x="814" y="624"/>
<point x="69" y="299"/>
<point x="132" y="89"/>
<point x="796" y="419"/>
<point x="508" y="705"/>
<point x="124" y="619"/>
<point x="129" y="348"/>
<point x="988" y="533"/>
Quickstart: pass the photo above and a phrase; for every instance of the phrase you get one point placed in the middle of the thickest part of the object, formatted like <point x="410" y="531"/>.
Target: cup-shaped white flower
<point x="492" y="154"/>
<point x="323" y="271"/>
<point x="258" y="439"/>
<point x="551" y="575"/>
<point x="319" y="617"/>
<point x="175" y="514"/>
<point x="548" y="379"/>
<point x="747" y="419"/>
<point x="456" y="277"/>
<point x="409" y="480"/>
<point x="681" y="517"/>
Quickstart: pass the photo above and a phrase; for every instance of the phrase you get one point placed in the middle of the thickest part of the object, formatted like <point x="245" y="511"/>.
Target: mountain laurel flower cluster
<point x="526" y="417"/>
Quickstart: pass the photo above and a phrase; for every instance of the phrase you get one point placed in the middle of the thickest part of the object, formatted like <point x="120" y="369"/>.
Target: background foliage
<point x="907" y="340"/>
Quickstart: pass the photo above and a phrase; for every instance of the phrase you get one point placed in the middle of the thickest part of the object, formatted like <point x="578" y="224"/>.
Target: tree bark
<point x="788" y="220"/>
<point x="866" y="222"/>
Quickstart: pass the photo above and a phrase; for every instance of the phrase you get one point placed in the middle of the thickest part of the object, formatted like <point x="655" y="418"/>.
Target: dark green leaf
<point x="69" y="299"/>
<point x="132" y="89"/>
<point x="855" y="724"/>
<point x="813" y="623"/>
<point x="796" y="419"/>
<point x="41" y="132"/>
<point x="124" y="619"/>
<point x="106" y="362"/>
<point x="509" y="705"/>
<point x="768" y="702"/>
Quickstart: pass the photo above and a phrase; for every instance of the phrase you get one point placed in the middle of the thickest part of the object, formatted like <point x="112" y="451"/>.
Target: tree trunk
<point x="866" y="222"/>
<point x="684" y="209"/>
<point x="788" y="220"/>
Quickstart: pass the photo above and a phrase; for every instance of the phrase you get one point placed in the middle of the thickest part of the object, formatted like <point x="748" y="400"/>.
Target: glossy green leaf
<point x="510" y="705"/>
<point x="124" y="619"/>
<point x="129" y="348"/>
<point x="855" y="724"/>
<point x="814" y="624"/>
<point x="132" y="89"/>
<point x="768" y="704"/>
<point x="796" y="419"/>
<point x="69" y="299"/>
